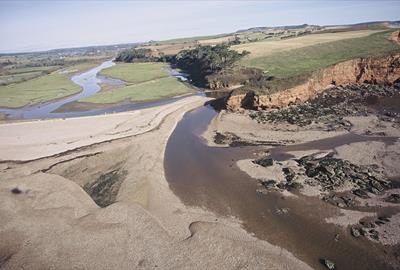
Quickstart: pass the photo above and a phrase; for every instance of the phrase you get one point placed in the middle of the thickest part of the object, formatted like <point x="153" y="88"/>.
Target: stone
<point x="264" y="161"/>
<point x="311" y="172"/>
<point x="289" y="174"/>
<point x="361" y="193"/>
<point x="16" y="191"/>
<point x="374" y="234"/>
<point x="294" y="185"/>
<point x="282" y="211"/>
<point x="269" y="184"/>
<point x="393" y="198"/>
<point x="355" y="232"/>
<point x="367" y="224"/>
<point x="329" y="264"/>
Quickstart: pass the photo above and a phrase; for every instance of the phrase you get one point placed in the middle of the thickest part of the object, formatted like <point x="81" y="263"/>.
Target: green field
<point x="290" y="62"/>
<point x="41" y="89"/>
<point x="146" y="81"/>
<point x="186" y="40"/>
<point x="16" y="75"/>
<point x="137" y="73"/>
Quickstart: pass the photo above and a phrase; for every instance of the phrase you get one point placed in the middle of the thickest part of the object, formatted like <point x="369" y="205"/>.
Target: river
<point x="208" y="177"/>
<point x="90" y="82"/>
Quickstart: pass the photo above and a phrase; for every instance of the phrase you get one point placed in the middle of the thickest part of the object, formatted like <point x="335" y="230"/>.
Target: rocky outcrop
<point x="395" y="37"/>
<point x="376" y="70"/>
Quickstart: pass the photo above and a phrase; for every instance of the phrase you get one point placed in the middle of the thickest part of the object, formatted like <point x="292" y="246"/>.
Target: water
<point x="90" y="82"/>
<point x="208" y="177"/>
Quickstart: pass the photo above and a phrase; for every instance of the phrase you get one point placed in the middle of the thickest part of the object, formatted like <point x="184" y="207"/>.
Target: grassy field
<point x="41" y="89"/>
<point x="310" y="53"/>
<point x="145" y="91"/>
<point x="146" y="81"/>
<point x="268" y="47"/>
<point x="137" y="73"/>
<point x="187" y="40"/>
<point x="15" y="75"/>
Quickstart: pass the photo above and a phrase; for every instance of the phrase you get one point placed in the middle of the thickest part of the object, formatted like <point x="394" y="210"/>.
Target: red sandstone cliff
<point x="380" y="70"/>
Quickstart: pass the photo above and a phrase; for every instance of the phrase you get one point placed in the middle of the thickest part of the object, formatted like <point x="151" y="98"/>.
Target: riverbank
<point x="339" y="151"/>
<point x="145" y="221"/>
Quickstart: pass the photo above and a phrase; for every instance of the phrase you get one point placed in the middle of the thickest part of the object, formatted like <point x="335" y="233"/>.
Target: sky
<point x="43" y="25"/>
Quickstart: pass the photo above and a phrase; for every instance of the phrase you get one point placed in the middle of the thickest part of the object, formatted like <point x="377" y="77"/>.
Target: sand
<point x="243" y="126"/>
<point x="376" y="153"/>
<point x="49" y="222"/>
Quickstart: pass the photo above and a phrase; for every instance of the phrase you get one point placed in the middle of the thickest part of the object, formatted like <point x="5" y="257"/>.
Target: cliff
<point x="376" y="70"/>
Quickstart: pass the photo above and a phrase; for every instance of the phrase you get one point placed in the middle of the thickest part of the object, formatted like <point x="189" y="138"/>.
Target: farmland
<point x="298" y="56"/>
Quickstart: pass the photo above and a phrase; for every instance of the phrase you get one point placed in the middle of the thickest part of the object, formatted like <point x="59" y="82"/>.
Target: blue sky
<point x="41" y="25"/>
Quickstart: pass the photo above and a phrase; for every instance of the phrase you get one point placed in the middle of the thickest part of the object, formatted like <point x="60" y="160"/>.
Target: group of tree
<point x="136" y="55"/>
<point x="206" y="60"/>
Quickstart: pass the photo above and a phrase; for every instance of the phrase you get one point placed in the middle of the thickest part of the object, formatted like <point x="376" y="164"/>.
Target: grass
<point x="15" y="75"/>
<point x="137" y="72"/>
<point x="186" y="40"/>
<point x="145" y="91"/>
<point x="269" y="47"/>
<point x="41" y="89"/>
<point x="306" y="59"/>
<point x="146" y="81"/>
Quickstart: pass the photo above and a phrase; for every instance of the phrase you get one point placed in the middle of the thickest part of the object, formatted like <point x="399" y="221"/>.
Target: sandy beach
<point x="50" y="222"/>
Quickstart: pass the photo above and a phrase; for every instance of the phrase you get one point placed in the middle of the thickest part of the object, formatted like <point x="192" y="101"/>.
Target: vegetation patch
<point x="146" y="91"/>
<point x="137" y="72"/>
<point x="41" y="89"/>
<point x="105" y="189"/>
<point x="295" y="62"/>
<point x="37" y="90"/>
<point x="275" y="45"/>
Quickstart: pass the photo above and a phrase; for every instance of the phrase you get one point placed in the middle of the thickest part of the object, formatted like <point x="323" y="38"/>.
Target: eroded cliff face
<point x="376" y="70"/>
<point x="395" y="36"/>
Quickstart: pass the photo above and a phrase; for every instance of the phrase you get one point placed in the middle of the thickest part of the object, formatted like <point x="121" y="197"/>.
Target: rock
<point x="373" y="190"/>
<point x="289" y="174"/>
<point x="269" y="184"/>
<point x="328" y="109"/>
<point x="312" y="172"/>
<point x="219" y="138"/>
<point x="281" y="185"/>
<point x="250" y="101"/>
<point x="16" y="191"/>
<point x="385" y="219"/>
<point x="264" y="161"/>
<point x="374" y="234"/>
<point x="355" y="232"/>
<point x="360" y="193"/>
<point x="329" y="264"/>
<point x="282" y="211"/>
<point x="367" y="224"/>
<point x="393" y="198"/>
<point x="294" y="185"/>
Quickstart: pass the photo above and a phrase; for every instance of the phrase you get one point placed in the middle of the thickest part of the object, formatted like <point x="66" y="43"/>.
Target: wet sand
<point x="211" y="179"/>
